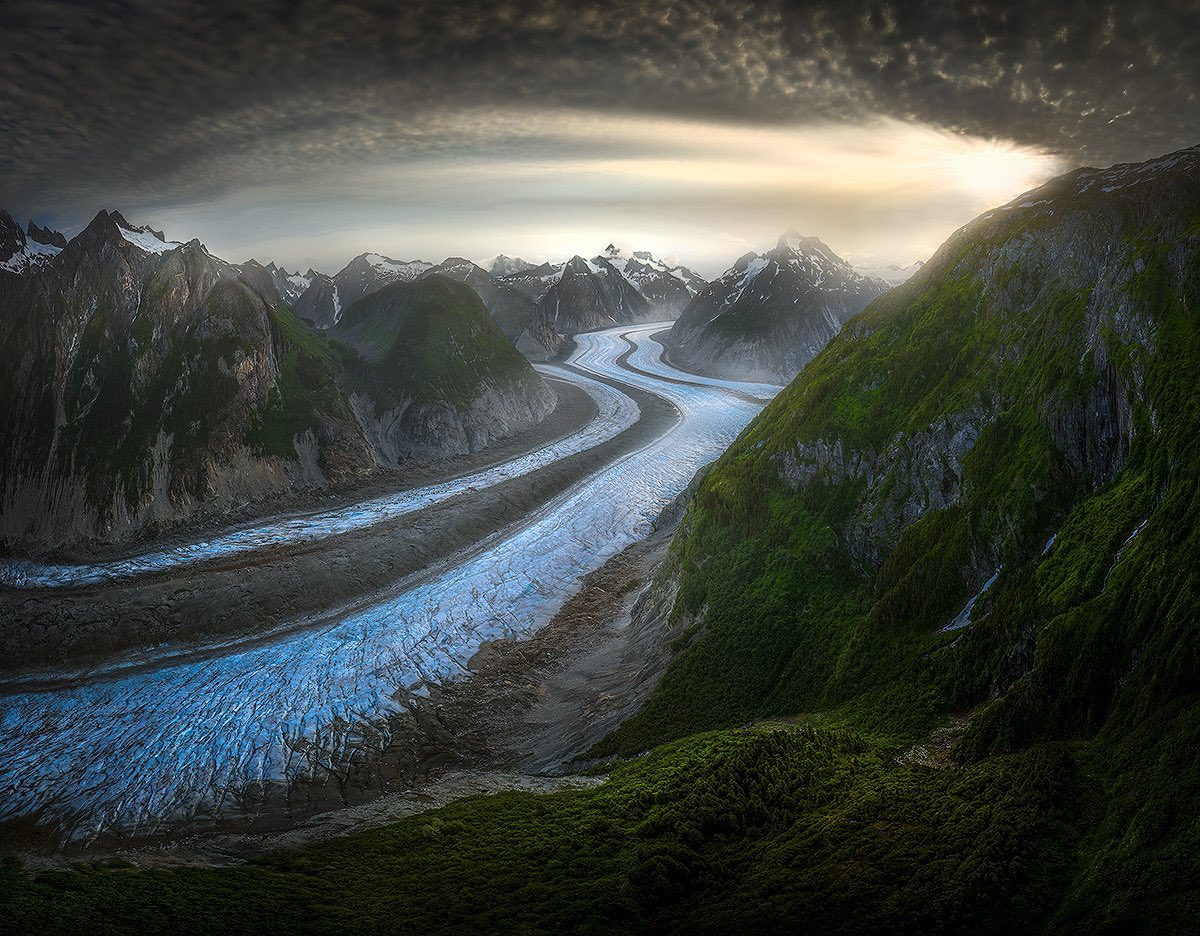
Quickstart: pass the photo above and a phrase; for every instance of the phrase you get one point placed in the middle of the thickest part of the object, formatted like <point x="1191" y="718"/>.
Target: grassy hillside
<point x="751" y="831"/>
<point x="428" y="342"/>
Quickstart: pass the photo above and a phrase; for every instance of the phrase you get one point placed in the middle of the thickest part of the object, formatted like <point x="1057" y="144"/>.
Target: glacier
<point x="140" y="751"/>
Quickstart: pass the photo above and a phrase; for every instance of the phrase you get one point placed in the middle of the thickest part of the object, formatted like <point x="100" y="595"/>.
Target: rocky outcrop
<point x="42" y="235"/>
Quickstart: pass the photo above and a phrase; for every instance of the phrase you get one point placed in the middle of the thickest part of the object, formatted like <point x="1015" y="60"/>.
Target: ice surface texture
<point x="141" y="750"/>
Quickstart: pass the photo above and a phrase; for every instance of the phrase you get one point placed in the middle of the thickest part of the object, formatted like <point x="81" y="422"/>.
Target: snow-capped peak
<point x="640" y="266"/>
<point x="501" y="265"/>
<point x="791" y="239"/>
<point x="18" y="252"/>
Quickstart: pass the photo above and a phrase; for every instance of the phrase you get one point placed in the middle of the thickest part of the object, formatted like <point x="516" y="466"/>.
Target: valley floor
<point x="314" y="673"/>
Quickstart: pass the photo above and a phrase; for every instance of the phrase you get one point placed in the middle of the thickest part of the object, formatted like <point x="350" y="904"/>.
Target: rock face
<point x="769" y="314"/>
<point x="320" y="304"/>
<point x="262" y="280"/>
<point x="150" y="381"/>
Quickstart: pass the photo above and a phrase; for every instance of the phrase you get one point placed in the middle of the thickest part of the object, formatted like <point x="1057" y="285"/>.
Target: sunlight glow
<point x="545" y="184"/>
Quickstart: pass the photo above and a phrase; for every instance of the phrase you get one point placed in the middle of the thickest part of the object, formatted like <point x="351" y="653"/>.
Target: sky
<point x="307" y="133"/>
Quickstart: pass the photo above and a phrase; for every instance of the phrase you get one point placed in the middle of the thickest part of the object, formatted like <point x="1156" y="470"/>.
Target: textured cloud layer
<point x="160" y="103"/>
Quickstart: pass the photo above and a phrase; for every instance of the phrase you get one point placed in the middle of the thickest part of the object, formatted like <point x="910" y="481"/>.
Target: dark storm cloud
<point x="148" y="102"/>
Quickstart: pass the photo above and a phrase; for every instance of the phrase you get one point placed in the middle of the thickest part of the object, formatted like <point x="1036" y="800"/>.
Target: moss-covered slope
<point x="1027" y="406"/>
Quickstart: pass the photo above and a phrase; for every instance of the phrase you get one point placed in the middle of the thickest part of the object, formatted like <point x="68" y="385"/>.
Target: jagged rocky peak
<point x="502" y="265"/>
<point x="12" y="238"/>
<point x="800" y="246"/>
<point x="20" y="253"/>
<point x="112" y="227"/>
<point x="46" y="236"/>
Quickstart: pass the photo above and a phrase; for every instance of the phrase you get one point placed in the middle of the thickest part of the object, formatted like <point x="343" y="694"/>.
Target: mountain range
<point x="150" y="382"/>
<point x="538" y="307"/>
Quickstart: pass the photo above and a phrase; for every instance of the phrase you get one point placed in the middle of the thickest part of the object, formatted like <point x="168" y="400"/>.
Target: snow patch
<point x="405" y="269"/>
<point x="143" y="240"/>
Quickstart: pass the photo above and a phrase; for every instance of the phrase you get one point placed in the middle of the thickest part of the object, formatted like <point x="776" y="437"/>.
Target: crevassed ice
<point x="144" y="749"/>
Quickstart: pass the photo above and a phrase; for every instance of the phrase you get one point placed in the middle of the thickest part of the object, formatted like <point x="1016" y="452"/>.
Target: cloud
<point x="886" y="189"/>
<point x="159" y="105"/>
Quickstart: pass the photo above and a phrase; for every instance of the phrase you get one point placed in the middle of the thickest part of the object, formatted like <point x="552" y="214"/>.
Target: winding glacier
<point x="616" y="412"/>
<point x="140" y="751"/>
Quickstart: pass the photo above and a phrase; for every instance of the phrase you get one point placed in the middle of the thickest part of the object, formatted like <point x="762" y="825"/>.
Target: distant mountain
<point x="149" y="381"/>
<point x="46" y="236"/>
<point x="20" y="253"/>
<point x="501" y="265"/>
<point x="769" y="314"/>
<point x="588" y="294"/>
<point x="264" y="280"/>
<point x="668" y="289"/>
<point x="320" y="304"/>
<point x="369" y="272"/>
<point x="512" y="310"/>
<point x="535" y="281"/>
<point x="289" y="286"/>
<point x="320" y="299"/>
<point x="892" y="273"/>
<point x="436" y="372"/>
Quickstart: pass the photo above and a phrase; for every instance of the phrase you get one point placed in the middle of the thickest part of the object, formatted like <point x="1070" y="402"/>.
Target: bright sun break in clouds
<point x="548" y="184"/>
